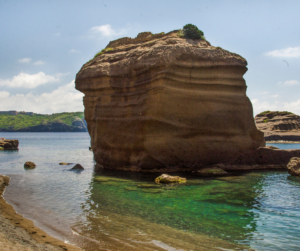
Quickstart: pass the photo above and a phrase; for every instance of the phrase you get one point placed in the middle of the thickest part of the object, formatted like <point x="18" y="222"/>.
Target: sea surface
<point x="128" y="211"/>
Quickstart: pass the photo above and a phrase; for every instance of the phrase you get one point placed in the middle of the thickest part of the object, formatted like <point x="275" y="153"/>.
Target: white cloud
<point x="24" y="60"/>
<point x="289" y="82"/>
<point x="25" y="80"/>
<point x="260" y="106"/>
<point x="106" y="30"/>
<point x="290" y="52"/>
<point x="4" y="94"/>
<point x="39" y="62"/>
<point x="74" y="51"/>
<point x="64" y="99"/>
<point x="275" y="96"/>
<point x="57" y="34"/>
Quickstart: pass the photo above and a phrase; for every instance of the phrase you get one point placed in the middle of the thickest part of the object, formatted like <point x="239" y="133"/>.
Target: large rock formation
<point x="161" y="101"/>
<point x="279" y="125"/>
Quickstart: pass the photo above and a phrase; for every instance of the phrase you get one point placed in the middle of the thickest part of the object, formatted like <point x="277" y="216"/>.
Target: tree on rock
<point x="192" y="31"/>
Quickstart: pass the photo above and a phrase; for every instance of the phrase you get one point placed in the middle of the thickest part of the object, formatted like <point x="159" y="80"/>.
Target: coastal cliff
<point x="279" y="125"/>
<point x="162" y="101"/>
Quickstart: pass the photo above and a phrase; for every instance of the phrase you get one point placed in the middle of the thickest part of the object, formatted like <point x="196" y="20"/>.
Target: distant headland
<point x="14" y="121"/>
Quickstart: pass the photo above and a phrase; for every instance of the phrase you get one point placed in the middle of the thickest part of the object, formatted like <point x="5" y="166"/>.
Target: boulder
<point x="77" y="167"/>
<point x="162" y="101"/>
<point x="165" y="178"/>
<point x="211" y="171"/>
<point x="9" y="144"/>
<point x="29" y="165"/>
<point x="293" y="166"/>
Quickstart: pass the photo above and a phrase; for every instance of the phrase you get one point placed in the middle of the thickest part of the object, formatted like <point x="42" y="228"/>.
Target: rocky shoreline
<point x="18" y="233"/>
<point x="282" y="142"/>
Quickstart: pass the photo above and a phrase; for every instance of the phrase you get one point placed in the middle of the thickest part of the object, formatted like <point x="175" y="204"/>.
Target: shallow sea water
<point x="128" y="211"/>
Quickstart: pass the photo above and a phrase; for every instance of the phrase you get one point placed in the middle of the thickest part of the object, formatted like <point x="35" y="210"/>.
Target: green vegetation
<point x="265" y="112"/>
<point x="192" y="31"/>
<point x="103" y="51"/>
<point x="16" y="122"/>
<point x="265" y="120"/>
<point x="276" y="113"/>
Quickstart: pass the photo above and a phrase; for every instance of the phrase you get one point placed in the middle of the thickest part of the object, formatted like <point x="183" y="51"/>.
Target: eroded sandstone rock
<point x="163" y="102"/>
<point x="278" y="125"/>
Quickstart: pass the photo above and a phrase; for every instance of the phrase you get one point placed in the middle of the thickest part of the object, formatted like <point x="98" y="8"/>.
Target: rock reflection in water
<point x="203" y="214"/>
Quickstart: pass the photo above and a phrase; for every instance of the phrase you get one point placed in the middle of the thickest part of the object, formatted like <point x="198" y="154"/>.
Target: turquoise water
<point x="128" y="211"/>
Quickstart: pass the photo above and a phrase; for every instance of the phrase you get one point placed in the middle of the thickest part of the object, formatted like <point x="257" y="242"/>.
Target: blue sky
<point x="44" y="44"/>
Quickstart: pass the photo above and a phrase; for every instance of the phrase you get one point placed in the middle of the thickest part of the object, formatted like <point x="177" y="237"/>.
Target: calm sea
<point x="127" y="211"/>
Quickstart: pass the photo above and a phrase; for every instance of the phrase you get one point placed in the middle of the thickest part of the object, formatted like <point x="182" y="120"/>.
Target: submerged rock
<point x="293" y="166"/>
<point x="213" y="171"/>
<point x="148" y="186"/>
<point x="77" y="167"/>
<point x="161" y="101"/>
<point x="9" y="144"/>
<point x="29" y="165"/>
<point x="165" y="178"/>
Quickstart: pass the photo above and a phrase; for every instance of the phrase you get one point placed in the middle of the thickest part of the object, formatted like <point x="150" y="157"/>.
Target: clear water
<point x="128" y="211"/>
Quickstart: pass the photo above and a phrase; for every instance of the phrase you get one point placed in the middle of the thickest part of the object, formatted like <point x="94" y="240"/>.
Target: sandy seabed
<point x="18" y="233"/>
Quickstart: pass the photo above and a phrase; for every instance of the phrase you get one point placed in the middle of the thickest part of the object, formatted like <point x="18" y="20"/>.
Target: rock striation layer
<point x="161" y="101"/>
<point x="279" y="125"/>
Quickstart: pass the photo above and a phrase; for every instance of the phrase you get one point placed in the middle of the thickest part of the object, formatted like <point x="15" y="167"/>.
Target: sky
<point x="44" y="43"/>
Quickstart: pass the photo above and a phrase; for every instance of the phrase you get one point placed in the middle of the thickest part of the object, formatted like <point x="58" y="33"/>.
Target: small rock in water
<point x="9" y="144"/>
<point x="77" y="167"/>
<point x="65" y="164"/>
<point x="165" y="178"/>
<point x="293" y="166"/>
<point x="29" y="165"/>
<point x="213" y="171"/>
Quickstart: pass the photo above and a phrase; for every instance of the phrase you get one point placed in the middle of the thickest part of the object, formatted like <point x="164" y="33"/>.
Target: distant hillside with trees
<point x="56" y="122"/>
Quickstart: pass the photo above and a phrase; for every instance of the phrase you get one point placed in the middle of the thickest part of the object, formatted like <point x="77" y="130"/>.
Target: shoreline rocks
<point x="166" y="102"/>
<point x="9" y="144"/>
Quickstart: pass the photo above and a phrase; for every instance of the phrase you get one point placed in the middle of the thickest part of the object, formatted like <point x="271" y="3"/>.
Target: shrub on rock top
<point x="192" y="31"/>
